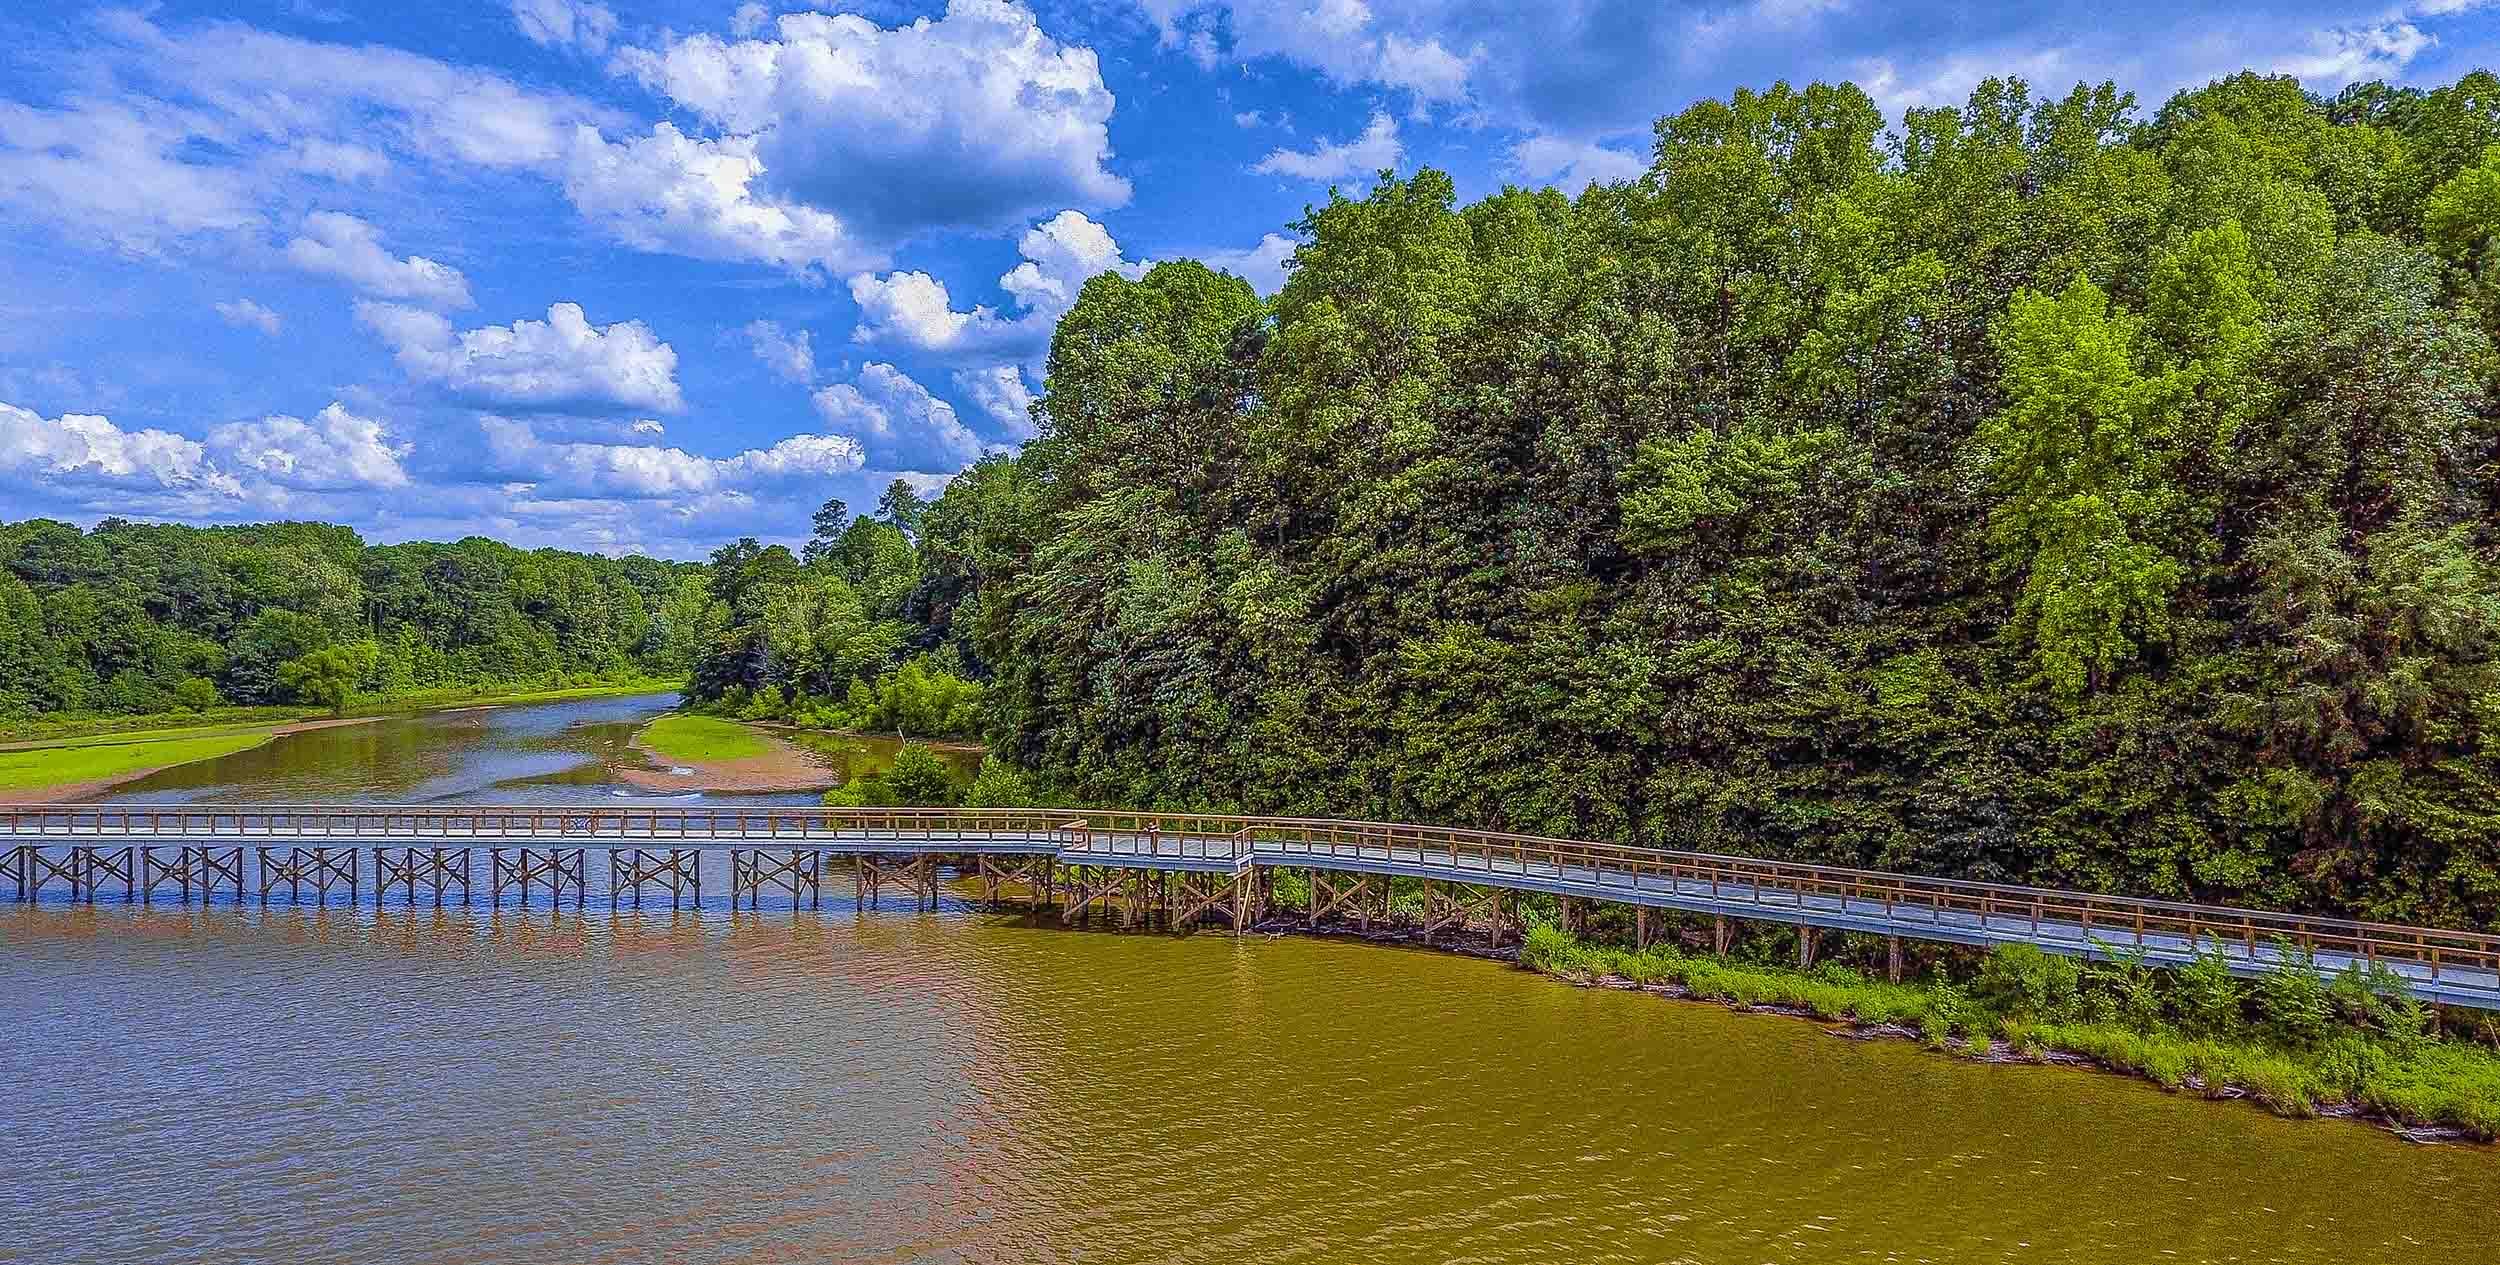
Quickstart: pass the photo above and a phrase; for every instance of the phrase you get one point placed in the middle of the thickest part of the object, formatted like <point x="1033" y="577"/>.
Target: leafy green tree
<point x="920" y="779"/>
<point x="323" y="678"/>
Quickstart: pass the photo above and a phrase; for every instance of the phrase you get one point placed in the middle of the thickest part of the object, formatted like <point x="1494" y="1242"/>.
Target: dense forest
<point x="2031" y="491"/>
<point x="144" y="618"/>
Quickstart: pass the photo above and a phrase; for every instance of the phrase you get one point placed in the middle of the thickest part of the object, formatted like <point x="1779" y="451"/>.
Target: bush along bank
<point x="2300" y="1044"/>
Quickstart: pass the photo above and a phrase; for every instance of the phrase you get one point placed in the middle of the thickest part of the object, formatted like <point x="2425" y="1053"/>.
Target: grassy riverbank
<point x="59" y="729"/>
<point x="701" y="739"/>
<point x="64" y="757"/>
<point x="53" y="771"/>
<point x="2299" y="1045"/>
<point x="708" y="753"/>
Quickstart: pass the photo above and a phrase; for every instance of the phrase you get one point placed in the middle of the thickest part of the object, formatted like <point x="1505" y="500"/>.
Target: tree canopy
<point x="2030" y="491"/>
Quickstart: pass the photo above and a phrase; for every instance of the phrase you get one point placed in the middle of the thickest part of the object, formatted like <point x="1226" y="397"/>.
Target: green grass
<point x="72" y="764"/>
<point x="56" y="728"/>
<point x="2446" y="1083"/>
<point x="702" y="739"/>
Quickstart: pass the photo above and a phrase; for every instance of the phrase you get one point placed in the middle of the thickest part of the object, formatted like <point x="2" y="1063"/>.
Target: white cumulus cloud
<point x="336" y="450"/>
<point x="670" y="192"/>
<point x="561" y="364"/>
<point x="1263" y="265"/>
<point x="969" y="120"/>
<point x="790" y="354"/>
<point x="2346" y="54"/>
<point x="339" y="245"/>
<point x="78" y="448"/>
<point x="1000" y="392"/>
<point x="897" y="421"/>
<point x="1376" y="148"/>
<point x="1573" y="165"/>
<point x="914" y="309"/>
<point x="1344" y="39"/>
<point x="650" y="471"/>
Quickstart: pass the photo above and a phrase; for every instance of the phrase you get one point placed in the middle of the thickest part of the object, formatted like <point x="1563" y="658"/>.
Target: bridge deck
<point x="2450" y="967"/>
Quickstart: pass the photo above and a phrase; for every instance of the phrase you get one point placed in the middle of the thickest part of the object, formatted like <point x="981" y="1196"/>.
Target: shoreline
<point x="1475" y="944"/>
<point x="784" y="768"/>
<point x="98" y="730"/>
<point x="73" y="792"/>
<point x="267" y="730"/>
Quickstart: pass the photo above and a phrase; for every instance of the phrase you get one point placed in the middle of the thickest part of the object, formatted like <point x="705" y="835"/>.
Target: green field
<point x="96" y="761"/>
<point x="702" y="739"/>
<point x="61" y="729"/>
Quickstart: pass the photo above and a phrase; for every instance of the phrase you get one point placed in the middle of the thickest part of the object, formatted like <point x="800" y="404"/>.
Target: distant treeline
<point x="149" y="618"/>
<point x="2035" y="491"/>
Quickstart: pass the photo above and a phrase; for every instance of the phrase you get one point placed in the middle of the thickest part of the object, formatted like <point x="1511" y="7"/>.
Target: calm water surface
<point x="283" y="1084"/>
<point x="561" y="752"/>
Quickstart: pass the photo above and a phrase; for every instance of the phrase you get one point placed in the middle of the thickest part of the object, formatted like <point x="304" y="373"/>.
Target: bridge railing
<point x="1804" y="889"/>
<point x="2006" y="910"/>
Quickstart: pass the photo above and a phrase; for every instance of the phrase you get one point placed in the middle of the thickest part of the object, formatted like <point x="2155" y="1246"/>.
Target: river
<point x="414" y="1085"/>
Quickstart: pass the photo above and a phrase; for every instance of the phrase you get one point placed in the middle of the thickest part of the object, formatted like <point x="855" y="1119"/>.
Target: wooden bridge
<point x="1175" y="868"/>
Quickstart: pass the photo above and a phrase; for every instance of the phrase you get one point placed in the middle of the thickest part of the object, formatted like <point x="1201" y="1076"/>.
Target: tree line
<point x="2032" y="491"/>
<point x="851" y="632"/>
<point x="142" y="618"/>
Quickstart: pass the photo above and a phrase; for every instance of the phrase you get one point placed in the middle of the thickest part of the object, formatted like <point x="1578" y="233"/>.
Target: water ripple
<point x="456" y="1086"/>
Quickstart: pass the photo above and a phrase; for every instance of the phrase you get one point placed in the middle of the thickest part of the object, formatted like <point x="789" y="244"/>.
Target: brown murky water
<point x="407" y="1085"/>
<point x="890" y="1086"/>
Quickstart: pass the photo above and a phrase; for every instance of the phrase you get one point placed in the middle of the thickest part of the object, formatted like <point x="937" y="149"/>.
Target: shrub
<point x="2127" y="991"/>
<point x="2207" y="1000"/>
<point x="2292" y="1000"/>
<point x="998" y="784"/>
<point x="1549" y="949"/>
<point x="2021" y="981"/>
<point x="920" y="779"/>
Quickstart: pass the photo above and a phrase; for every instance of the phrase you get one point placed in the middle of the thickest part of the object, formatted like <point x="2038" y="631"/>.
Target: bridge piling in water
<point x="680" y="870"/>
<point x="436" y="868"/>
<point x="558" y="868"/>
<point x="797" y="871"/>
<point x="323" y="867"/>
<point x="1179" y="869"/>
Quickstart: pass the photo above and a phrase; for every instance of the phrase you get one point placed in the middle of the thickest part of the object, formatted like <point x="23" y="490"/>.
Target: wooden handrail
<point x="2121" y="919"/>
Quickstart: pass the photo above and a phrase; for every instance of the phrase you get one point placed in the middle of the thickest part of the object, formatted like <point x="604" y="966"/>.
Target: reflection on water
<point x="559" y="752"/>
<point x="411" y="1086"/>
<point x="408" y="1084"/>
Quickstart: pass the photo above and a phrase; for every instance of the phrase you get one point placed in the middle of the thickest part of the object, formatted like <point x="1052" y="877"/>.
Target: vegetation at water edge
<point x="2295" y="1041"/>
<point x="104" y="761"/>
<point x="701" y="739"/>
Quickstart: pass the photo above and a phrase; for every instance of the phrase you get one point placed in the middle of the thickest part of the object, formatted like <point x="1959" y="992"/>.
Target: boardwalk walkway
<point x="144" y="849"/>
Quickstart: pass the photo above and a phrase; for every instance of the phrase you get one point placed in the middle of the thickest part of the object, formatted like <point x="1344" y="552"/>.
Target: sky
<point x="649" y="275"/>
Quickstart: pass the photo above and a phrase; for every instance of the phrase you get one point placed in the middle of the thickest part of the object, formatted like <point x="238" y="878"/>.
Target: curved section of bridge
<point x="1185" y="866"/>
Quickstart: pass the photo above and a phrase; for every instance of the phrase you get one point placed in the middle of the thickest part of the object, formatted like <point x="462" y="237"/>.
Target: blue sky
<point x="651" y="274"/>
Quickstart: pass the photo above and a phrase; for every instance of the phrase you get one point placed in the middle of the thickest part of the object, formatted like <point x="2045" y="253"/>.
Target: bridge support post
<point x="1719" y="934"/>
<point x="1640" y="928"/>
<point x="1805" y="947"/>
<point x="1892" y="958"/>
